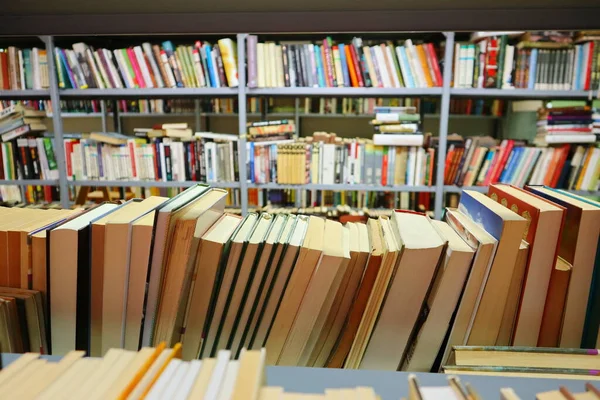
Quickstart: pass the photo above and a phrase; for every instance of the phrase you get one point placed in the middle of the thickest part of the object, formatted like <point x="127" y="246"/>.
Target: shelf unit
<point x="242" y="93"/>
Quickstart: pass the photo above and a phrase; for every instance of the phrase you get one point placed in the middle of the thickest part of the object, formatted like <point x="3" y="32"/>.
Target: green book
<point x="180" y="55"/>
<point x="28" y="68"/>
<point x="395" y="61"/>
<point x="60" y="72"/>
<point x="129" y="67"/>
<point x="501" y="55"/>
<point x="52" y="165"/>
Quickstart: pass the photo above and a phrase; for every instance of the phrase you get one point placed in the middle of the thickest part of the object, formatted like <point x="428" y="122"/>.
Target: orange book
<point x="555" y="304"/>
<point x="552" y="167"/>
<point x="346" y="338"/>
<point x="564" y="153"/>
<point x="424" y="65"/>
<point x="351" y="70"/>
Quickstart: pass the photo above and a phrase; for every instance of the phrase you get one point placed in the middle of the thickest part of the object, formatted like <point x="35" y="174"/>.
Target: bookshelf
<point x="444" y="93"/>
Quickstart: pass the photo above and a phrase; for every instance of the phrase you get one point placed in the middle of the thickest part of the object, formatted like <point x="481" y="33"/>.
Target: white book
<point x="385" y="76"/>
<point x="360" y="155"/>
<point x="556" y="139"/>
<point x="186" y="384"/>
<point x="419" y="166"/>
<point x="482" y="50"/>
<point x="127" y="78"/>
<point x="390" y="58"/>
<point x="153" y="64"/>
<point x="213" y="56"/>
<point x="464" y="66"/>
<point x="218" y="375"/>
<point x="103" y="72"/>
<point x="229" y="381"/>
<point x="415" y="64"/>
<point x="273" y="62"/>
<point x="328" y="163"/>
<point x="139" y="55"/>
<point x="35" y="68"/>
<point x="163" y="164"/>
<point x="176" y="380"/>
<point x="157" y="390"/>
<point x="410" y="166"/>
<point x="401" y="139"/>
<point x="457" y="76"/>
<point x="471" y="63"/>
<point x="260" y="65"/>
<point x="313" y="65"/>
<point x="279" y="67"/>
<point x="321" y="161"/>
<point x="509" y="56"/>
<point x="21" y="67"/>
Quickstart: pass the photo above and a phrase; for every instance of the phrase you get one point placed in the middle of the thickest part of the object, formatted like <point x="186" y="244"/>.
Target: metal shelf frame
<point x="445" y="93"/>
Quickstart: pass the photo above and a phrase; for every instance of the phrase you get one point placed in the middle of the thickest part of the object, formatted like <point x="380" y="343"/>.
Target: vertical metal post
<point x="241" y="50"/>
<point x="59" y="149"/>
<point x="444" y="114"/>
<point x="197" y="115"/>
<point x="104" y="112"/>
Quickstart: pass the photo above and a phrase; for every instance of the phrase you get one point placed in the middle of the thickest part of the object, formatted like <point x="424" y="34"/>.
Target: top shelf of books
<point x="486" y="64"/>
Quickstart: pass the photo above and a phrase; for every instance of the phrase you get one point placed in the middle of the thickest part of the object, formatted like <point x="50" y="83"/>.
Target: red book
<point x="588" y="68"/>
<point x="562" y="158"/>
<point x="384" y="166"/>
<point x="131" y="147"/>
<point x="351" y="71"/>
<point x="500" y="162"/>
<point x="437" y="74"/>
<point x="4" y="68"/>
<point x="326" y="70"/>
<point x="136" y="68"/>
<point x="448" y="164"/>
<point x="48" y="194"/>
<point x="356" y="64"/>
<point x="68" y="152"/>
<point x="193" y="162"/>
<point x="155" y="162"/>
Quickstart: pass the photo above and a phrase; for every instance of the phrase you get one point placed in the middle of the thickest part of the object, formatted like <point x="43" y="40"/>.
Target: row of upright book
<point x="356" y="63"/>
<point x="532" y="60"/>
<point x="515" y="268"/>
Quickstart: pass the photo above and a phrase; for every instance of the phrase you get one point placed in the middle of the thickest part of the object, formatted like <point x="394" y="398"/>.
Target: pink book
<point x="136" y="68"/>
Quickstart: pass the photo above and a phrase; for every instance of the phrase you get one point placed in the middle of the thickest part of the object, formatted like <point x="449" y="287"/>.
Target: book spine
<point x="251" y="42"/>
<point x="356" y="65"/>
<point x="220" y="67"/>
<point x="142" y="66"/>
<point x="321" y="78"/>
<point x="328" y="64"/>
<point x="344" y="65"/>
<point x="313" y="65"/>
<point x="167" y="48"/>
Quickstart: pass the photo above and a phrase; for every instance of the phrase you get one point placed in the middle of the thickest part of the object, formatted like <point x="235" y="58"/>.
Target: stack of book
<point x="325" y="158"/>
<point x="165" y="153"/>
<point x="480" y="161"/>
<point x="22" y="69"/>
<point x="271" y="131"/>
<point x="542" y="61"/>
<point x="148" y="66"/>
<point x="336" y="64"/>
<point x="18" y="120"/>
<point x="564" y="125"/>
<point x="312" y="291"/>
<point x="397" y="126"/>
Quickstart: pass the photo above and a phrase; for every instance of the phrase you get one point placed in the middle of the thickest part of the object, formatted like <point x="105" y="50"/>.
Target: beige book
<point x="180" y="263"/>
<point x="441" y="301"/>
<point x="483" y="371"/>
<point x="170" y="374"/>
<point x="39" y="280"/>
<point x="250" y="308"/>
<point x="227" y="386"/>
<point x="507" y="327"/>
<point x="184" y="387"/>
<point x="218" y="375"/>
<point x="145" y="383"/>
<point x="81" y="369"/>
<point x="238" y="244"/>
<point x="280" y="241"/>
<point x="97" y="244"/>
<point x="139" y="364"/>
<point x="319" y="296"/>
<point x="201" y="383"/>
<point x="308" y="258"/>
<point x="271" y="393"/>
<point x="117" y="247"/>
<point x="165" y="220"/>
<point x="388" y="249"/>
<point x="21" y="378"/>
<point x="16" y="366"/>
<point x="244" y="277"/>
<point x="84" y="383"/>
<point x="210" y="253"/>
<point x="359" y="254"/>
<point x="35" y="318"/>
<point x="141" y="240"/>
<point x="47" y="376"/>
<point x="484" y="245"/>
<point x="509" y="229"/>
<point x="251" y="376"/>
<point x="66" y="258"/>
<point x="420" y="251"/>
<point x="99" y="389"/>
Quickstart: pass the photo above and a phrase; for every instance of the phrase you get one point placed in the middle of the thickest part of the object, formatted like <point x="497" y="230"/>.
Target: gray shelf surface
<point x="147" y="93"/>
<point x="522" y="93"/>
<point x="391" y="385"/>
<point x="343" y="186"/>
<point x="24" y="94"/>
<point x="160" y="184"/>
<point x="44" y="182"/>
<point x="344" y="91"/>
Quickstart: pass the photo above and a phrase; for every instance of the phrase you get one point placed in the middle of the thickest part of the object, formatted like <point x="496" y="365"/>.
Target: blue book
<point x="69" y="73"/>
<point x="251" y="162"/>
<point x="344" y="62"/>
<point x="515" y="168"/>
<point x="532" y="67"/>
<point x="319" y="62"/>
<point x="481" y="215"/>
<point x="409" y="79"/>
<point x="212" y="72"/>
<point x="578" y="64"/>
<point x="513" y="161"/>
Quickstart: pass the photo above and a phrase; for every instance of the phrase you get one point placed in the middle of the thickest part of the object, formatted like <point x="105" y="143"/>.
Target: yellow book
<point x="584" y="168"/>
<point x="153" y="373"/>
<point x="251" y="375"/>
<point x="136" y="371"/>
<point x="228" y="51"/>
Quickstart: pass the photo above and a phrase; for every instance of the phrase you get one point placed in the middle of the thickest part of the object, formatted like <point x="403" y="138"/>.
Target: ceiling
<point x="65" y="17"/>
